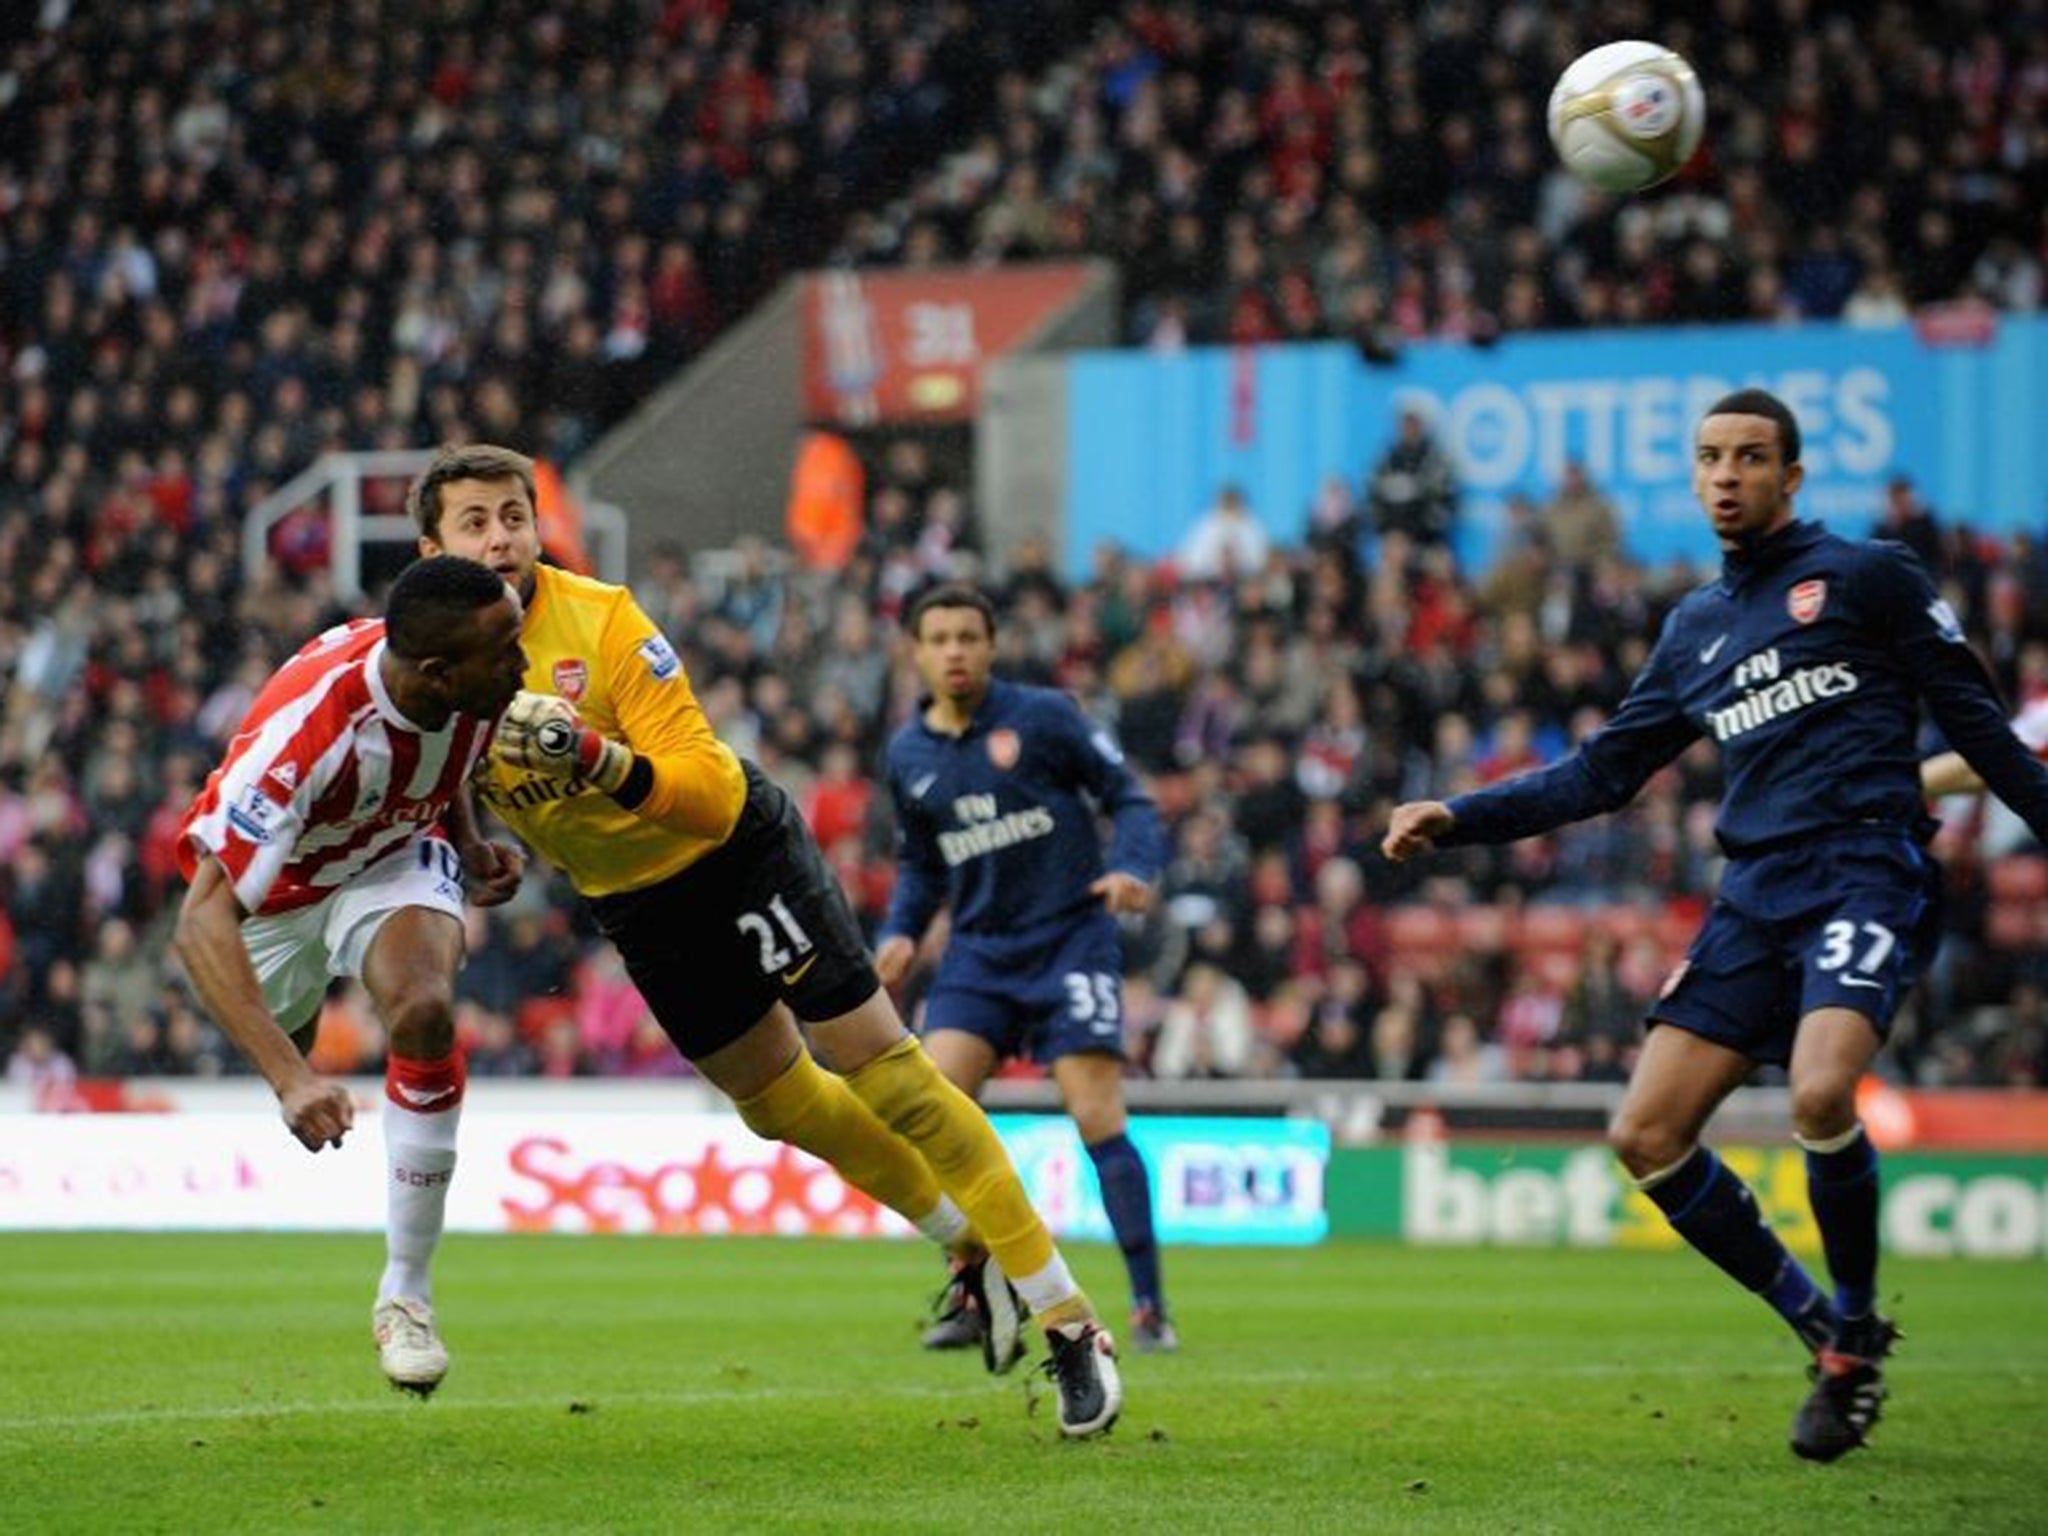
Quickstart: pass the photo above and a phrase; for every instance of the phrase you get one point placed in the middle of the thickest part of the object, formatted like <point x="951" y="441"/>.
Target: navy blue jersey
<point x="1000" y="821"/>
<point x="1806" y="664"/>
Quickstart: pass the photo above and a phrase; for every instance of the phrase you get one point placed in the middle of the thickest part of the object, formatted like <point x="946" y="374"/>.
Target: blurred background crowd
<point x="230" y="242"/>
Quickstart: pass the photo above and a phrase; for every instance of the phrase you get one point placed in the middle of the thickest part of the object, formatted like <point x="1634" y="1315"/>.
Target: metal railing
<point x="335" y="482"/>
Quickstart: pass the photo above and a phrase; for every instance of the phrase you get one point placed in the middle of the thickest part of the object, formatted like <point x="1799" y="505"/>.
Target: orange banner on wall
<point x="909" y="346"/>
<point x="1963" y="1119"/>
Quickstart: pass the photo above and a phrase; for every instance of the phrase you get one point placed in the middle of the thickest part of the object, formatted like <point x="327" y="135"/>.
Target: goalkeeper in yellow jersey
<point x="702" y="873"/>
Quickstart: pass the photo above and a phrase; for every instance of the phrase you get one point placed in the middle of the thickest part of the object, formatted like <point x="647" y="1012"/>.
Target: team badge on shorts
<point x="1806" y="599"/>
<point x="1004" y="747"/>
<point x="572" y="676"/>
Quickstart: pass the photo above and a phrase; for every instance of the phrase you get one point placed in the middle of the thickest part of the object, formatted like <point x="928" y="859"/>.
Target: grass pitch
<point x="228" y="1383"/>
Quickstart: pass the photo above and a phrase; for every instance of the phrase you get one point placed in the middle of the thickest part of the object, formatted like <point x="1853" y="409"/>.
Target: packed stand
<point x="1276" y="714"/>
<point x="1271" y="172"/>
<point x="1279" y="714"/>
<point x="234" y="240"/>
<point x="230" y="244"/>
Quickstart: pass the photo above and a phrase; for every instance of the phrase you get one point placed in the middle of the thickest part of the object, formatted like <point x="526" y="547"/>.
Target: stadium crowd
<point x="1268" y="172"/>
<point x="1276" y="714"/>
<point x="230" y="244"/>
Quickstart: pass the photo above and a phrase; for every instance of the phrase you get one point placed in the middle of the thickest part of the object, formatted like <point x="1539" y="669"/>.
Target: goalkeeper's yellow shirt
<point x="589" y="642"/>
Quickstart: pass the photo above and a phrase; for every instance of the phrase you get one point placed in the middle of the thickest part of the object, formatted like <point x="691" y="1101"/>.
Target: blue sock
<point x="1127" y="1197"/>
<point x="1714" y="1211"/>
<point x="1842" y="1187"/>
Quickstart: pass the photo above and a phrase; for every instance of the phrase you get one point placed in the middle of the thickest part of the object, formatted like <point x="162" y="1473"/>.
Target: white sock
<point x="1048" y="1287"/>
<point x="419" y="1155"/>
<point x="1656" y="1176"/>
<point x="1832" y="1143"/>
<point x="946" y="1224"/>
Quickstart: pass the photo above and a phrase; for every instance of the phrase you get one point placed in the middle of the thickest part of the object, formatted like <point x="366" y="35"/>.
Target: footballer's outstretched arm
<point x="682" y="776"/>
<point x="1137" y="846"/>
<point x="1415" y="828"/>
<point x="666" y="766"/>
<point x="209" y="943"/>
<point x="1949" y="773"/>
<point x="1647" y="731"/>
<point x="920" y="887"/>
<point x="1958" y="690"/>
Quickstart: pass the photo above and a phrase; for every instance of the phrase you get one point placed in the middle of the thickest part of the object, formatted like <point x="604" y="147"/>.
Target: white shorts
<point x="297" y="953"/>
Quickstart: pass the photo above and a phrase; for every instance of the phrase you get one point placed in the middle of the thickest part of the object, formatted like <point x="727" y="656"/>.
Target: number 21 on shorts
<point x="782" y="942"/>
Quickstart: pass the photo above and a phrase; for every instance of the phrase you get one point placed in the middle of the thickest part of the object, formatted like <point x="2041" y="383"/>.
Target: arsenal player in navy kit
<point x="1806" y="663"/>
<point x="998" y="789"/>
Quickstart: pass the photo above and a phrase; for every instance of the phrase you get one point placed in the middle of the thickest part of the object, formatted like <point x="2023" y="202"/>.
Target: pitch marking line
<point x="559" y="1402"/>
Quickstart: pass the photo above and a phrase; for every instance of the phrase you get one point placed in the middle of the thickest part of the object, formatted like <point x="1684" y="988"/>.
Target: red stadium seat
<point x="1677" y="924"/>
<point x="1419" y="931"/>
<point x="1483" y="930"/>
<point x="2021" y="877"/>
<point x="2013" y="925"/>
<point x="1623" y="922"/>
<point x="537" y="1015"/>
<point x="1553" y="929"/>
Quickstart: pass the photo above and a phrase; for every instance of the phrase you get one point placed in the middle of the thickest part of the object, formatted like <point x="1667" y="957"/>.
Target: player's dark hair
<point x="949" y="594"/>
<point x="1761" y="402"/>
<point x="431" y="601"/>
<point x="465" y="461"/>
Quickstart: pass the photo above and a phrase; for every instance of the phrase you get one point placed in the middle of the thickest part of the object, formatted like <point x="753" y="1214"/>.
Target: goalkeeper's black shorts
<point x="760" y="918"/>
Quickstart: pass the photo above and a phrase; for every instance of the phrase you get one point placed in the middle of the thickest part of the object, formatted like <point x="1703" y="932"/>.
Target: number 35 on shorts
<point x="1095" y="999"/>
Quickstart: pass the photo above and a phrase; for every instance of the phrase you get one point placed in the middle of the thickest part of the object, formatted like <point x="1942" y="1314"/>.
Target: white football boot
<point x="408" y="1347"/>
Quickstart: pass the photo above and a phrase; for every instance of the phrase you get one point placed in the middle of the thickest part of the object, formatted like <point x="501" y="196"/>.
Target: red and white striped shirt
<point x="325" y="777"/>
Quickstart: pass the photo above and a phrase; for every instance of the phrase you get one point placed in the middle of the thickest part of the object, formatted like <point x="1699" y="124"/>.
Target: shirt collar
<point x="1740" y="566"/>
<point x="982" y="718"/>
<point x="373" y="675"/>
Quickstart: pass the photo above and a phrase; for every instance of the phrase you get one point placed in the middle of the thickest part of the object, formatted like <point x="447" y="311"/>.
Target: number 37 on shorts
<point x="1863" y="959"/>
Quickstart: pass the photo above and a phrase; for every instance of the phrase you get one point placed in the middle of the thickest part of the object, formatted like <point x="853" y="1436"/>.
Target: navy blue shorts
<point x="1842" y="923"/>
<point x="1045" y="1000"/>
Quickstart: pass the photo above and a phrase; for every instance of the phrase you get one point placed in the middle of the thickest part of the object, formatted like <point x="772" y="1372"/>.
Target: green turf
<point x="228" y="1383"/>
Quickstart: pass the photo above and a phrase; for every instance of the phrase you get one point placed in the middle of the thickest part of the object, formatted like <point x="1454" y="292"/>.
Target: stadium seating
<point x="233" y="242"/>
<point x="2018" y="878"/>
<point x="1389" y="181"/>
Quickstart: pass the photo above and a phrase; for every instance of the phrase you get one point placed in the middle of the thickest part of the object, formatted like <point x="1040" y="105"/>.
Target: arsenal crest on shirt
<point x="572" y="676"/>
<point x="1005" y="746"/>
<point x="1806" y="599"/>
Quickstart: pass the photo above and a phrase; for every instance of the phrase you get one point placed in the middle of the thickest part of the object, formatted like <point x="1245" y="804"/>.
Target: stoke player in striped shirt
<point x="335" y="839"/>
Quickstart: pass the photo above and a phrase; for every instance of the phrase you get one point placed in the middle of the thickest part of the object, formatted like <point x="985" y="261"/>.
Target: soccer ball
<point x="1626" y="116"/>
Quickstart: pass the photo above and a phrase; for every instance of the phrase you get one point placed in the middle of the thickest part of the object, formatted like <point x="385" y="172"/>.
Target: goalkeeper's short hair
<point x="464" y="461"/>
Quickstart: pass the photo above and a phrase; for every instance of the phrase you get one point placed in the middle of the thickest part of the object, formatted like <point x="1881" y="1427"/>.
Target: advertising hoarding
<point x="1225" y="1180"/>
<point x="1935" y="1205"/>
<point x="1153" y="438"/>
<point x="909" y="347"/>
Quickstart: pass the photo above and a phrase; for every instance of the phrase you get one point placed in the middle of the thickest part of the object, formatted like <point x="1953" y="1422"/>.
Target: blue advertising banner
<point x="1154" y="438"/>
<point x="1215" y="1180"/>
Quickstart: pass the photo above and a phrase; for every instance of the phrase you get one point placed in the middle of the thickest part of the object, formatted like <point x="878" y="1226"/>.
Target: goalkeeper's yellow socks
<point x="914" y="1099"/>
<point x="1075" y="1309"/>
<point x="812" y="1109"/>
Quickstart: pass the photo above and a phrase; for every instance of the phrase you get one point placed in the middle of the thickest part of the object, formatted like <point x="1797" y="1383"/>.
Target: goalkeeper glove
<point x="543" y="734"/>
